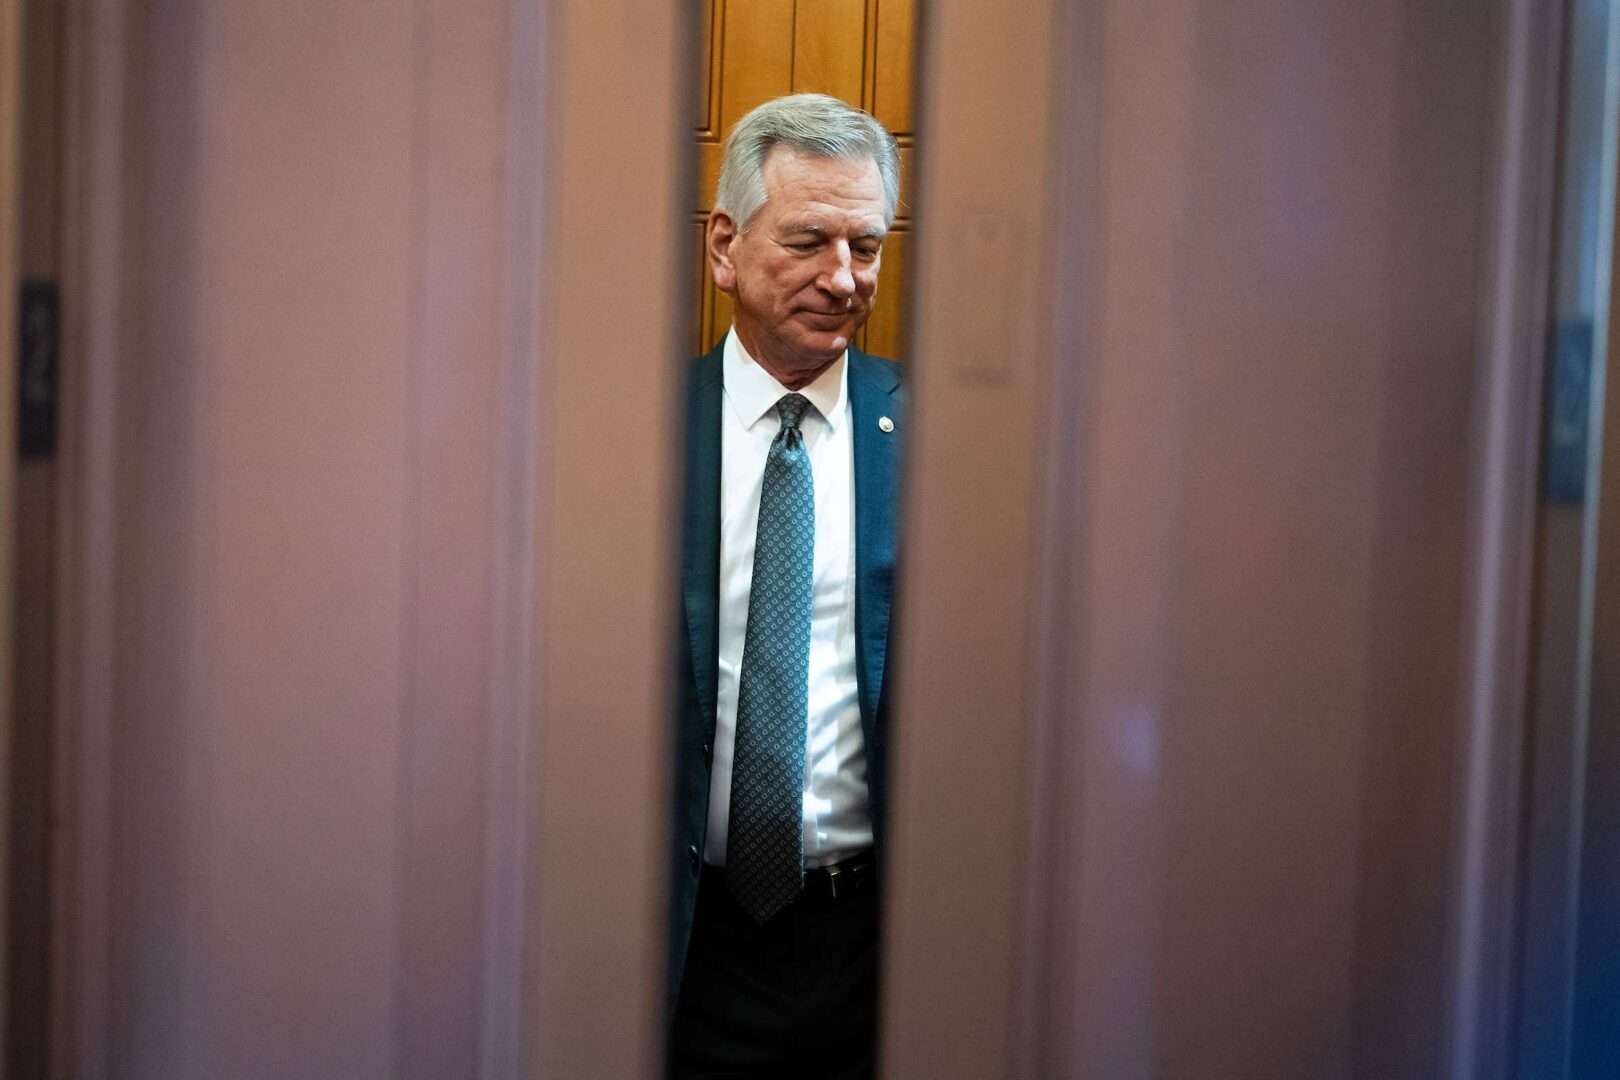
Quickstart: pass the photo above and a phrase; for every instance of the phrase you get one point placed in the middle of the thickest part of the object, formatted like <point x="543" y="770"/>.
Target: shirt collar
<point x="753" y="391"/>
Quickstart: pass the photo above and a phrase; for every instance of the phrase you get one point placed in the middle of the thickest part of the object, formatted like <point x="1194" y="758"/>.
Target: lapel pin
<point x="885" y="424"/>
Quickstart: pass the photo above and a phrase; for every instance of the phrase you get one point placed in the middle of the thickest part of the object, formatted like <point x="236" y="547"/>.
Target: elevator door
<point x="1188" y="759"/>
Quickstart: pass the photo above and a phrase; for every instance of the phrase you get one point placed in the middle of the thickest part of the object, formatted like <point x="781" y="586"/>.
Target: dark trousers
<point x="793" y="998"/>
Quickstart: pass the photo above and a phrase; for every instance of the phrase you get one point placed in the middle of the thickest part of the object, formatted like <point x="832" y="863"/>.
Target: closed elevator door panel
<point x="1179" y="659"/>
<point x="360" y="681"/>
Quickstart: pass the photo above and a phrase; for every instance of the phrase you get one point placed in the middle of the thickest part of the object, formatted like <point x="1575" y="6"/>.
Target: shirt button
<point x="708" y="754"/>
<point x="693" y="858"/>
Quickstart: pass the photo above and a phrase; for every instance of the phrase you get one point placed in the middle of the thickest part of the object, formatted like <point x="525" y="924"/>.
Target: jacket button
<point x="694" y="858"/>
<point x="708" y="753"/>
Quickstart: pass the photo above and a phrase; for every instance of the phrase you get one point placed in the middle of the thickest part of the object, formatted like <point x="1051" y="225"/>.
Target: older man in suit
<point x="788" y="566"/>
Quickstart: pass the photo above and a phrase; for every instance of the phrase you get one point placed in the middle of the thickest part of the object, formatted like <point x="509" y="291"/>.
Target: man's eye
<point x="803" y="245"/>
<point x="866" y="253"/>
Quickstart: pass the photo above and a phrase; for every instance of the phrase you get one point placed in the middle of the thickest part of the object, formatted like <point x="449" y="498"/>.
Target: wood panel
<point x="709" y="71"/>
<point x="885" y="329"/>
<point x="708" y="156"/>
<point x="856" y="50"/>
<point x="829" y="47"/>
<point x="891" y="88"/>
<point x="908" y="159"/>
<point x="756" y="55"/>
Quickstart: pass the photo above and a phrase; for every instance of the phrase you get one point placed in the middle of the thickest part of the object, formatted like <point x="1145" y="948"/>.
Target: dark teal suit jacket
<point x="874" y="392"/>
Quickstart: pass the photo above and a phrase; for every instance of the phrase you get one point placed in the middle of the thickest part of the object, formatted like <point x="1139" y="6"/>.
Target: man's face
<point x="803" y="276"/>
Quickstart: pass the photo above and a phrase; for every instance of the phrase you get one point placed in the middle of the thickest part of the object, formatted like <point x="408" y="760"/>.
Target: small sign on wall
<point x="37" y="369"/>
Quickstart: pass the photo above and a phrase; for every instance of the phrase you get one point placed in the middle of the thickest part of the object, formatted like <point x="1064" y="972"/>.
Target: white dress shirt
<point x="837" y="820"/>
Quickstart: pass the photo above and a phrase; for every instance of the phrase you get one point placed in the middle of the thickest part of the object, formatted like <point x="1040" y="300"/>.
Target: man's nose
<point x="839" y="277"/>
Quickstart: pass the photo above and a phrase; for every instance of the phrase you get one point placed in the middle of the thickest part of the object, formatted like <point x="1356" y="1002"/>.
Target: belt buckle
<point x="833" y="874"/>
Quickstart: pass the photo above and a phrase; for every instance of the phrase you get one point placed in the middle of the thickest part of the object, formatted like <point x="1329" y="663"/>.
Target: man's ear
<point x="722" y="231"/>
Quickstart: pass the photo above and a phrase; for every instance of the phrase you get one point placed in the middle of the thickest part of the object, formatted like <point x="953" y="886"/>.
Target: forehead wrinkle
<point x="858" y="224"/>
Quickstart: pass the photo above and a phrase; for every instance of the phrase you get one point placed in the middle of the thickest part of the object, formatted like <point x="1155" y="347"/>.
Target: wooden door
<point x="857" y="50"/>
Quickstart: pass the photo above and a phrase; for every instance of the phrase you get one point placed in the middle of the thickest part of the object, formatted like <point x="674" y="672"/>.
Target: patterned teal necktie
<point x="764" y="847"/>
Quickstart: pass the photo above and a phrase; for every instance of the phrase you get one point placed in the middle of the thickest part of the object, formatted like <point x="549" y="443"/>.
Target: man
<point x="787" y="571"/>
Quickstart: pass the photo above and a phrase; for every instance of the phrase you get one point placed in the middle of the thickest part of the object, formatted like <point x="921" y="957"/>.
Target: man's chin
<point x="825" y="346"/>
<point x="795" y="355"/>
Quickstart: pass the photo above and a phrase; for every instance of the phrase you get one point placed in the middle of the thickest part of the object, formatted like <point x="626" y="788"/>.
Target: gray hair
<point x="813" y="124"/>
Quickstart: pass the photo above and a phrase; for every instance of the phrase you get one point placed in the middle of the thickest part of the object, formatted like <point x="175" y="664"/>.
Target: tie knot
<point x="791" y="408"/>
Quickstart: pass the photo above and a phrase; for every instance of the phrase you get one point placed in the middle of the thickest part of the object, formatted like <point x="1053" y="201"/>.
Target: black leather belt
<point x="853" y="876"/>
<point x="850" y="877"/>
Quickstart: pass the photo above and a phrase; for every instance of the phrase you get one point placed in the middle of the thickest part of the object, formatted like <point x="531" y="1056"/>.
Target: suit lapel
<point x="872" y="386"/>
<point x="700" y="559"/>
